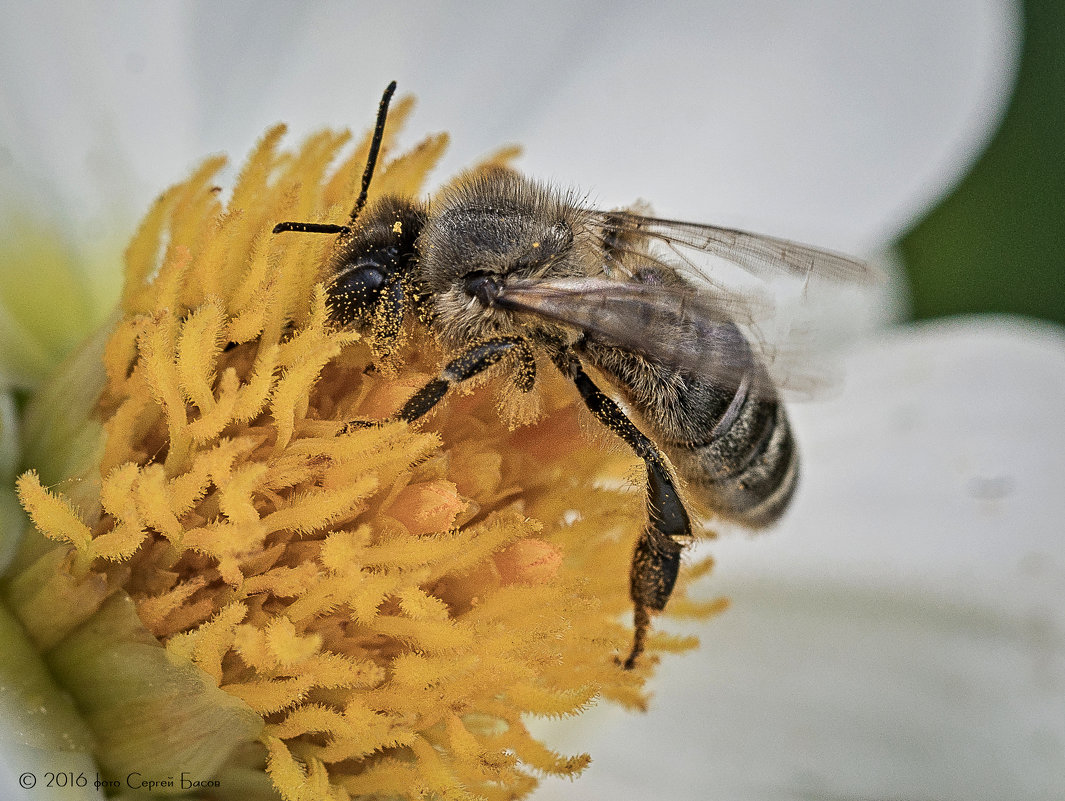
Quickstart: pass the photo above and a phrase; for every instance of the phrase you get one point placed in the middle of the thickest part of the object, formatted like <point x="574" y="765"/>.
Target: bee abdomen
<point x="746" y="472"/>
<point x="732" y="446"/>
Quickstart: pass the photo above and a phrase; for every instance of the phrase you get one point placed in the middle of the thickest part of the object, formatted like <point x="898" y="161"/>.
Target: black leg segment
<point x="471" y="363"/>
<point x="656" y="561"/>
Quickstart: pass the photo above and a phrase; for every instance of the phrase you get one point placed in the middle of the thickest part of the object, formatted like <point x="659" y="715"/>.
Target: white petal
<point x="901" y="634"/>
<point x="942" y="459"/>
<point x="97" y="112"/>
<point x="834" y="122"/>
<point x="826" y="120"/>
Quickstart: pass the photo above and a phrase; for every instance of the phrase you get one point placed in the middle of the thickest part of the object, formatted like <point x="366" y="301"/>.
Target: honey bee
<point x="500" y="266"/>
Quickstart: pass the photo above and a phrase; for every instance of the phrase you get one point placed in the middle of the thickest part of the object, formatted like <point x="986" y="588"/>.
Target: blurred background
<point x="997" y="241"/>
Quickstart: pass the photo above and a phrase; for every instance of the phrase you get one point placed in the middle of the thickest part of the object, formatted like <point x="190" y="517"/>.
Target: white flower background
<point x="901" y="635"/>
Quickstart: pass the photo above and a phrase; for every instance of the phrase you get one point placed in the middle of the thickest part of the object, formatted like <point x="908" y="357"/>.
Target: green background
<point x="997" y="242"/>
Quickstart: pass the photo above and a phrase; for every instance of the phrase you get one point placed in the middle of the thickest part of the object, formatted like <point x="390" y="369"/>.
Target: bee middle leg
<point x="656" y="560"/>
<point x="469" y="364"/>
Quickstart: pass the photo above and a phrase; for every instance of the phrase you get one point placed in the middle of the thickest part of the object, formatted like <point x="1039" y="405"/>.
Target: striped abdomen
<point x="732" y="446"/>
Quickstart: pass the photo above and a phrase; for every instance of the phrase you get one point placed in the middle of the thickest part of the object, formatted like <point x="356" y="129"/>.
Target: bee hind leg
<point x="656" y="560"/>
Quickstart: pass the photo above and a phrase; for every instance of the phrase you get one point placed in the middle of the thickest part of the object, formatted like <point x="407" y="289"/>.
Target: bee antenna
<point x="375" y="148"/>
<point x="311" y="228"/>
<point x="367" y="175"/>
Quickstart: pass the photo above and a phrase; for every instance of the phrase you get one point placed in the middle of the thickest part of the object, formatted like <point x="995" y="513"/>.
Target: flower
<point x="835" y="129"/>
<point x="377" y="608"/>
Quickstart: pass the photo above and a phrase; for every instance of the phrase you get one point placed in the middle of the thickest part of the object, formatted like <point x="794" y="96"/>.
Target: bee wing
<point x="756" y="253"/>
<point x="693" y="331"/>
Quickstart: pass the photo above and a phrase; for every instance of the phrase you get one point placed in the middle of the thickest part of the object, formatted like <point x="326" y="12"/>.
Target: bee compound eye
<point x="355" y="291"/>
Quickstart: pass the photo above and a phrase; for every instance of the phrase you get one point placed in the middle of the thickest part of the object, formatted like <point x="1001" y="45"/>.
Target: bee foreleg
<point x="388" y="319"/>
<point x="471" y="363"/>
<point x="656" y="560"/>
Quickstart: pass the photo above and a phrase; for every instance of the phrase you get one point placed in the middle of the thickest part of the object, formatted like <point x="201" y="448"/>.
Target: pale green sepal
<point x="12" y="519"/>
<point x="61" y="437"/>
<point x="43" y="739"/>
<point x="13" y="523"/>
<point x="151" y="712"/>
<point x="46" y="303"/>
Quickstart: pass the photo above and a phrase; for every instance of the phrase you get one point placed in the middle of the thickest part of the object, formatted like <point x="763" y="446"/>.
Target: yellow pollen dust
<point x="390" y="600"/>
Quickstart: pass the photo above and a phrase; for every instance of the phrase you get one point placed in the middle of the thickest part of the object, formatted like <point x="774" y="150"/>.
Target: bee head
<point x="378" y="255"/>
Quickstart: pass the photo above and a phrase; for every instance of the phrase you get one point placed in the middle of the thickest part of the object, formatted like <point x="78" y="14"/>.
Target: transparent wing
<point x="699" y="332"/>
<point x="756" y="253"/>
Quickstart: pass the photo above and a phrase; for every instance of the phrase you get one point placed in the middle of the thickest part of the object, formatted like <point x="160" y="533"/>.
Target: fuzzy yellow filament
<point x="377" y="609"/>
